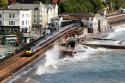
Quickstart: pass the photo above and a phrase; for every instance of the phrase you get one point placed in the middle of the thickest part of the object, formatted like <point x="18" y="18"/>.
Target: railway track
<point x="11" y="60"/>
<point x="16" y="63"/>
<point x="12" y="68"/>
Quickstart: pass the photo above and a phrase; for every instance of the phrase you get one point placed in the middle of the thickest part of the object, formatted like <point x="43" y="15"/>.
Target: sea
<point x="89" y="65"/>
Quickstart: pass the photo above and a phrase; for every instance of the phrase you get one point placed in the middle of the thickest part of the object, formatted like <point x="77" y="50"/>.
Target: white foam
<point x="84" y="53"/>
<point x="111" y="35"/>
<point x="41" y="70"/>
<point x="117" y="31"/>
<point x="52" y="57"/>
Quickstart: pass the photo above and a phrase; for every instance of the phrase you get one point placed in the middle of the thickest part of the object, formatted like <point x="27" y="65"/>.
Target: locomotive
<point x="30" y="51"/>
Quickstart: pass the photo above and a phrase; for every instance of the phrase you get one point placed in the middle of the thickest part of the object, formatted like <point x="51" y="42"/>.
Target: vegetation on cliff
<point x="116" y="4"/>
<point x="3" y="3"/>
<point x="80" y="6"/>
<point x="89" y="5"/>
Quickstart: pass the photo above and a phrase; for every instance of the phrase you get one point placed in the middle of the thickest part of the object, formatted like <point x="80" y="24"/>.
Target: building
<point x="15" y="21"/>
<point x="97" y="24"/>
<point x="102" y="23"/>
<point x="92" y="25"/>
<point x="41" y="13"/>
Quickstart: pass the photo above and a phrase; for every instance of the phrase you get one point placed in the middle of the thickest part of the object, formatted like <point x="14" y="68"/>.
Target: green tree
<point x="61" y="7"/>
<point x="97" y="5"/>
<point x="3" y="3"/>
<point x="116" y="4"/>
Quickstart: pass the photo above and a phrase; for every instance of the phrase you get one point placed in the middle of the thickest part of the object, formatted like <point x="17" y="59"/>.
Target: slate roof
<point x="23" y="6"/>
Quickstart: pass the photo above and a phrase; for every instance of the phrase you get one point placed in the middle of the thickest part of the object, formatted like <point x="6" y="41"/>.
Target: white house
<point x="92" y="25"/>
<point x="15" y="20"/>
<point x="103" y="23"/>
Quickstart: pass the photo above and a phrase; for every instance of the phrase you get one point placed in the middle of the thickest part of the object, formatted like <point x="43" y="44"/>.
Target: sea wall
<point x="116" y="20"/>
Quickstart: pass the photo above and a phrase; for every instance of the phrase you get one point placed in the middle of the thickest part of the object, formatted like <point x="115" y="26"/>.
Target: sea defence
<point x="104" y="46"/>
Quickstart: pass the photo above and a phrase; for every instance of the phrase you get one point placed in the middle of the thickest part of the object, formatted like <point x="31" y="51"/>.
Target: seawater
<point x="87" y="66"/>
<point x="106" y="68"/>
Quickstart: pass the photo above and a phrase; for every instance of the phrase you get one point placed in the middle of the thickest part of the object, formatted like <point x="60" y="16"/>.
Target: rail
<point x="43" y="43"/>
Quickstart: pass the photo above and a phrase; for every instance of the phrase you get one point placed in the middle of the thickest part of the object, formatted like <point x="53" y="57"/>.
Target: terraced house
<point x="41" y="13"/>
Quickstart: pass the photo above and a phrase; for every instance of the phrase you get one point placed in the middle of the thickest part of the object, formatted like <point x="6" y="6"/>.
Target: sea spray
<point x="51" y="58"/>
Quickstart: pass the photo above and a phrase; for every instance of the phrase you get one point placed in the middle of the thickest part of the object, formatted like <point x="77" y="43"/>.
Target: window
<point x="23" y="15"/>
<point x="24" y="30"/>
<point x="26" y="15"/>
<point x="34" y="21"/>
<point x="91" y="25"/>
<point x="9" y="15"/>
<point x="0" y="15"/>
<point x="11" y="22"/>
<point x="13" y="16"/>
<point x="0" y="22"/>
<point x="26" y="22"/>
<point x="22" y="22"/>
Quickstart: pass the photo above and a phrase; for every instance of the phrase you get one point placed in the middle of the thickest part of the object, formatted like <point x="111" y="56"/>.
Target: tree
<point x="3" y="3"/>
<point x="116" y="4"/>
<point x="61" y="7"/>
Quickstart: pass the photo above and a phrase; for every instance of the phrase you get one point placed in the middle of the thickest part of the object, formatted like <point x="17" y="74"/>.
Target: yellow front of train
<point x="28" y="52"/>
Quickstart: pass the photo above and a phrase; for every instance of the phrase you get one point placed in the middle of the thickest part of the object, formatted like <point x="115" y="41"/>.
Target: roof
<point x="23" y="6"/>
<point x="15" y="9"/>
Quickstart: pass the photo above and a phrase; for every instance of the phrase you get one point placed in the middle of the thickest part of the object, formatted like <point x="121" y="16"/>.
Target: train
<point x="30" y="50"/>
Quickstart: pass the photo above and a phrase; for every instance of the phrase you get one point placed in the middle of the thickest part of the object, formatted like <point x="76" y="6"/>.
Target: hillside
<point x="89" y="5"/>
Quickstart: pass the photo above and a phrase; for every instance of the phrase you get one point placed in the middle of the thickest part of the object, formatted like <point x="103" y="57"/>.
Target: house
<point x="92" y="25"/>
<point x="15" y="21"/>
<point x="102" y="23"/>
